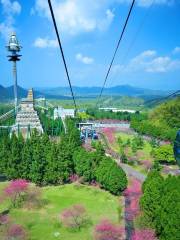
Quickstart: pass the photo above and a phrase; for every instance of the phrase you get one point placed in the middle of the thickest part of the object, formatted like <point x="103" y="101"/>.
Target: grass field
<point x="43" y="223"/>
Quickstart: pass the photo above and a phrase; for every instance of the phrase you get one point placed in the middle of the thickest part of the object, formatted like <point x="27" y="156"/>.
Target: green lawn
<point x="42" y="223"/>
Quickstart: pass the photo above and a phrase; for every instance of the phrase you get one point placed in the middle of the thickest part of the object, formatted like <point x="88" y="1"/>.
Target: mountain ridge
<point x="7" y="93"/>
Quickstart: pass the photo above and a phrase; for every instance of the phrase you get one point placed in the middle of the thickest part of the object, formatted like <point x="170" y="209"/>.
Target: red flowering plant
<point x="133" y="193"/>
<point x="16" y="191"/>
<point x="16" y="232"/>
<point x="107" y="230"/>
<point x="110" y="134"/>
<point x="144" y="234"/>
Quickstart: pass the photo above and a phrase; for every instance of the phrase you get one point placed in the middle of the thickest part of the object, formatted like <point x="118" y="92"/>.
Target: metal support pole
<point x="15" y="87"/>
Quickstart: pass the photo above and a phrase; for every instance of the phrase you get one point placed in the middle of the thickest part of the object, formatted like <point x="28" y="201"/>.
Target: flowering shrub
<point x="144" y="234"/>
<point x="16" y="232"/>
<point x="73" y="178"/>
<point x="74" y="217"/>
<point x="133" y="193"/>
<point x="16" y="190"/>
<point x="106" y="230"/>
<point x="110" y="134"/>
<point x="4" y="219"/>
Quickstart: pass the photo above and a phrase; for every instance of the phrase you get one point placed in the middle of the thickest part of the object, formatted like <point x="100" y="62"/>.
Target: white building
<point x="63" y="113"/>
<point x="113" y="109"/>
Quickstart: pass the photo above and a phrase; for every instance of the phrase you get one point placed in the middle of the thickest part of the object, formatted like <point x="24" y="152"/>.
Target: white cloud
<point x="10" y="9"/>
<point x="77" y="16"/>
<point x="45" y="43"/>
<point x="84" y="59"/>
<point x="149" y="61"/>
<point x="176" y="50"/>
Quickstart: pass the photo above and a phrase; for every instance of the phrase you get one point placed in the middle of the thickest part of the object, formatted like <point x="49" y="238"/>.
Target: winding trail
<point x="131" y="172"/>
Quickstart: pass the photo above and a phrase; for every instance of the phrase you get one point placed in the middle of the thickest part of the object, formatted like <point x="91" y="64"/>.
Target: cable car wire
<point x="132" y="43"/>
<point x="116" y="49"/>
<point x="62" y="52"/>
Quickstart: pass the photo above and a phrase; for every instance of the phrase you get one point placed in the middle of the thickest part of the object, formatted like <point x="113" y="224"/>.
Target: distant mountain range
<point x="7" y="93"/>
<point x="122" y="90"/>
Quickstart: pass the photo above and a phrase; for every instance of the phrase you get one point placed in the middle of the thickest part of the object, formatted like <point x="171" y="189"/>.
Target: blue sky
<point x="148" y="57"/>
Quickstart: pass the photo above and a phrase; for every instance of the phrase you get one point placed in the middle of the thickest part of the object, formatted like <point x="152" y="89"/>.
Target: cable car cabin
<point x="177" y="148"/>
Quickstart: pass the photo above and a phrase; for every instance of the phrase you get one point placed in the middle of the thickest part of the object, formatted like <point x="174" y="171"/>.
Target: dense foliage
<point x="95" y="166"/>
<point x="51" y="127"/>
<point x="162" y="123"/>
<point x="38" y="159"/>
<point x="42" y="161"/>
<point x="111" y="176"/>
<point x="161" y="204"/>
<point x="164" y="154"/>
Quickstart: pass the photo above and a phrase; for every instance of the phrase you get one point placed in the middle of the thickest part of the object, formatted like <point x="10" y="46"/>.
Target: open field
<point x="43" y="223"/>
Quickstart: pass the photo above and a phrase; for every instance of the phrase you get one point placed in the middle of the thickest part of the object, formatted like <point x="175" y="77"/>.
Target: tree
<point x="150" y="200"/>
<point x="164" y="153"/>
<point x="16" y="232"/>
<point x="144" y="234"/>
<point x="106" y="230"/>
<point x="74" y="217"/>
<point x="168" y="216"/>
<point x="161" y="204"/>
<point x="111" y="176"/>
<point x="16" y="190"/>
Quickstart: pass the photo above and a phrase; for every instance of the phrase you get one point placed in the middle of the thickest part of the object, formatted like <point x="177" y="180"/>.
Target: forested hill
<point x="163" y="122"/>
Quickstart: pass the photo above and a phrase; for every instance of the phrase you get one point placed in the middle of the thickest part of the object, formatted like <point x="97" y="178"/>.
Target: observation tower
<point x="14" y="48"/>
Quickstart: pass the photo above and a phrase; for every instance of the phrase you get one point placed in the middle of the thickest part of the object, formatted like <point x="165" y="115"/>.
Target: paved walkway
<point x="132" y="172"/>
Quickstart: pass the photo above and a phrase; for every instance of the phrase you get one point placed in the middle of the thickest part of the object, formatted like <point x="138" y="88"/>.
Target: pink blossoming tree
<point x="15" y="232"/>
<point x="106" y="230"/>
<point x="16" y="190"/>
<point x="144" y="234"/>
<point x="74" y="217"/>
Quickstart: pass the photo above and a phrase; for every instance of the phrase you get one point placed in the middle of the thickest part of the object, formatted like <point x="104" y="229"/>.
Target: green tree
<point x="111" y="176"/>
<point x="164" y="153"/>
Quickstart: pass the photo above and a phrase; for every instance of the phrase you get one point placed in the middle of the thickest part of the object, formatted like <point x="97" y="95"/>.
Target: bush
<point x="111" y="176"/>
<point x="16" y="232"/>
<point x="106" y="230"/>
<point x="164" y="154"/>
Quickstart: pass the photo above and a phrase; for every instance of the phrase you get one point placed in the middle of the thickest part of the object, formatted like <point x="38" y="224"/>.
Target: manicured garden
<point x="140" y="152"/>
<point x="44" y="222"/>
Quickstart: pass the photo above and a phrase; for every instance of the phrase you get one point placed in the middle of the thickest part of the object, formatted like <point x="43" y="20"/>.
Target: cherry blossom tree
<point x="144" y="234"/>
<point x="16" y="190"/>
<point x="74" y="217"/>
<point x="133" y="194"/>
<point x="16" y="232"/>
<point x="110" y="134"/>
<point x="106" y="230"/>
